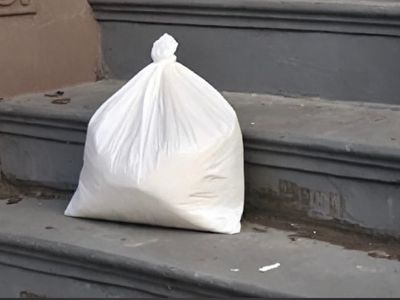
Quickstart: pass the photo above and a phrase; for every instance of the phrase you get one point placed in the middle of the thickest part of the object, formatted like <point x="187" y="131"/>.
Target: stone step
<point x="334" y="49"/>
<point x="327" y="161"/>
<point x="43" y="253"/>
<point x="323" y="160"/>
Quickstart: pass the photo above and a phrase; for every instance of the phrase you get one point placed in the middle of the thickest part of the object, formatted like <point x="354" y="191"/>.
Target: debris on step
<point x="366" y="269"/>
<point x="14" y="200"/>
<point x="269" y="267"/>
<point x="378" y="254"/>
<point x="27" y="294"/>
<point x="56" y="94"/>
<point x="10" y="194"/>
<point x="259" y="228"/>
<point x="61" y="101"/>
<point x="346" y="237"/>
<point x="13" y="192"/>
<point x="235" y="270"/>
<point x="43" y="194"/>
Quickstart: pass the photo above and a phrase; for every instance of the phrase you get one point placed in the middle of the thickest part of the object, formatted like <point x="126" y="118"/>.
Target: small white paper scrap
<point x="269" y="268"/>
<point x="235" y="270"/>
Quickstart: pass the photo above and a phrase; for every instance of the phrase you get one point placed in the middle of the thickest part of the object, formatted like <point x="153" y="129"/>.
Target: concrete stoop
<point x="43" y="253"/>
<point x="318" y="161"/>
<point x="331" y="161"/>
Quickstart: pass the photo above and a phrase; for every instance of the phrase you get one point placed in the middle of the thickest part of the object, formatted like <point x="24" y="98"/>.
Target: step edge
<point x="362" y="17"/>
<point x="65" y="253"/>
<point x="376" y="8"/>
<point x="325" y="146"/>
<point x="355" y="154"/>
<point x="79" y="123"/>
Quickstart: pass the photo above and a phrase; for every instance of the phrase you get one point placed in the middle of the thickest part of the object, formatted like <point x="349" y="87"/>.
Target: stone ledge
<point x="127" y="276"/>
<point x="364" y="17"/>
<point x="326" y="160"/>
<point x="36" y="116"/>
<point x="351" y="139"/>
<point x="49" y="254"/>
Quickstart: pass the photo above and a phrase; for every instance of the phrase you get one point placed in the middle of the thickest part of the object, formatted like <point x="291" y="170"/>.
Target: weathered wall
<point x="46" y="44"/>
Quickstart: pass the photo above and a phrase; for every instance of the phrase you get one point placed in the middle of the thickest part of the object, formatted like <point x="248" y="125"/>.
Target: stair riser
<point x="41" y="162"/>
<point x="286" y="190"/>
<point x="370" y="205"/>
<point x="288" y="56"/>
<point x="304" y="158"/>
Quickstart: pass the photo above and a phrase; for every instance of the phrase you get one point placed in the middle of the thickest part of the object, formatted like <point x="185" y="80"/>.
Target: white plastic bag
<point x="166" y="149"/>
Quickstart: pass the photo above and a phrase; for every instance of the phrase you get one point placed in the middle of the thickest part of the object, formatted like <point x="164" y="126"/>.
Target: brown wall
<point x="55" y="47"/>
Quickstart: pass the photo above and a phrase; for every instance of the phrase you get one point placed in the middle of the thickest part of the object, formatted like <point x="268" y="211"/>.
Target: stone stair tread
<point x="85" y="99"/>
<point x="352" y="127"/>
<point x="308" y="267"/>
<point x="366" y="129"/>
<point x="329" y="160"/>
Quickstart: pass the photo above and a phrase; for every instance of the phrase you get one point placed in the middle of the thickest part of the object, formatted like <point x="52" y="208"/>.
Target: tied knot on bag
<point x="164" y="49"/>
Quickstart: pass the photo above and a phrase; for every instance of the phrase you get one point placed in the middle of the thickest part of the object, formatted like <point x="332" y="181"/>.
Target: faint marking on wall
<point x="319" y="204"/>
<point x="17" y="7"/>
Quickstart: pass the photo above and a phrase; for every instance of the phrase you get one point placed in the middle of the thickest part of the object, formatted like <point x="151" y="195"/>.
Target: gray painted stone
<point x="42" y="143"/>
<point x="363" y="16"/>
<point x="333" y="49"/>
<point x="312" y="158"/>
<point x="17" y="282"/>
<point x="374" y="206"/>
<point x="322" y="160"/>
<point x="126" y="259"/>
<point x="36" y="161"/>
